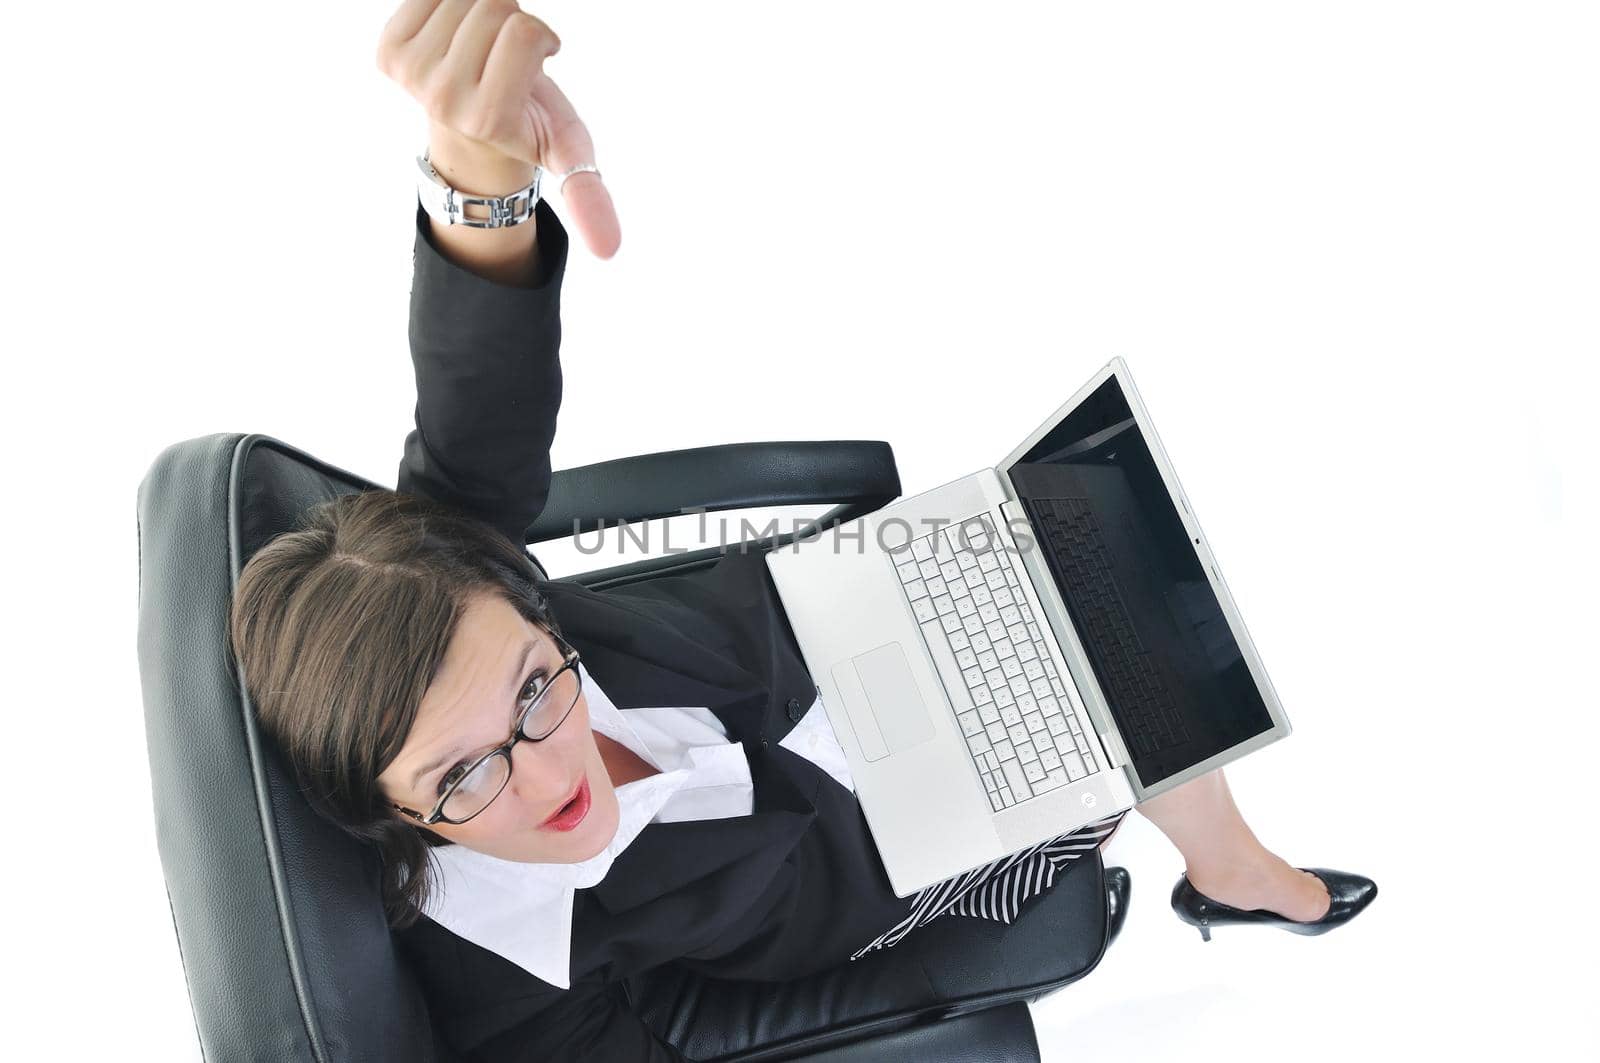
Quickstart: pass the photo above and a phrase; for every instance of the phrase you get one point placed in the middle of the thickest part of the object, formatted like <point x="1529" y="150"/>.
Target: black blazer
<point x="753" y="897"/>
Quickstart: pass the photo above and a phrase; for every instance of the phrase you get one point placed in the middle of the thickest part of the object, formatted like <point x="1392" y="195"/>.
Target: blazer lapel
<point x="742" y="850"/>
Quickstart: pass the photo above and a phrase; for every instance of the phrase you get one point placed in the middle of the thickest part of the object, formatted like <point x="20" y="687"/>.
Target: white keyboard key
<point x="929" y="569"/>
<point x="971" y="624"/>
<point x="1027" y="652"/>
<point x="944" y="604"/>
<point x="1011" y="667"/>
<point x="1034" y="721"/>
<point x="965" y="659"/>
<point x="1003" y="748"/>
<point x="979" y="743"/>
<point x="997" y="732"/>
<point x="921" y="549"/>
<point x="1010" y="615"/>
<point x="1027" y="754"/>
<point x="1041" y="687"/>
<point x="988" y="562"/>
<point x="1058" y="727"/>
<point x="988" y="712"/>
<point x="1017" y="632"/>
<point x="1052" y="779"/>
<point x="1027" y="702"/>
<point x="1003" y="697"/>
<point x="935" y="587"/>
<point x="1033" y="771"/>
<point x="995" y="679"/>
<point x="980" y="591"/>
<point x="1019" y="685"/>
<point x="1018" y="780"/>
<point x="959" y="640"/>
<point x="908" y="571"/>
<point x="951" y="622"/>
<point x="973" y="578"/>
<point x="1064" y="744"/>
<point x="1005" y="649"/>
<point x="959" y="589"/>
<point x="1032" y="669"/>
<point x="1010" y="715"/>
<point x="964" y="607"/>
<point x="1074" y="766"/>
<point x="923" y="607"/>
<point x="950" y="571"/>
<point x="1019" y="737"/>
<point x="967" y="559"/>
<point x="1004" y="597"/>
<point x="995" y="579"/>
<point x="973" y="676"/>
<point x="981" y="695"/>
<point x="988" y="612"/>
<point x="1050" y="758"/>
<point x="970" y="724"/>
<point x="1048" y="706"/>
<point x="916" y="589"/>
<point x="987" y="660"/>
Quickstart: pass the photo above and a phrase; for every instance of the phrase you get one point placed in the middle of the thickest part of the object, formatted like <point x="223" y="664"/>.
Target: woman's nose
<point x="536" y="773"/>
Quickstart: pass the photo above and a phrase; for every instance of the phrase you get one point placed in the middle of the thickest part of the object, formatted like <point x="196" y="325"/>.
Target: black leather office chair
<point x="277" y="913"/>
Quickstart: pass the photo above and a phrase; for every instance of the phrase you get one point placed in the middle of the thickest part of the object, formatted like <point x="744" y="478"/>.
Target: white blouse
<point x="523" y="911"/>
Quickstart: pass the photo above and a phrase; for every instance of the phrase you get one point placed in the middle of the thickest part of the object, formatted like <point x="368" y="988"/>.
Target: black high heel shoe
<point x="1348" y="894"/>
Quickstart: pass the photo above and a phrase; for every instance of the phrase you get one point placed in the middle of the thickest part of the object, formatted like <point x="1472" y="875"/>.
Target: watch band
<point x="448" y="205"/>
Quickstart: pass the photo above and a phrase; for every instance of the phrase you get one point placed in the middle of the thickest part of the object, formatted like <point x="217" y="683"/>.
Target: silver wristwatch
<point x="448" y="206"/>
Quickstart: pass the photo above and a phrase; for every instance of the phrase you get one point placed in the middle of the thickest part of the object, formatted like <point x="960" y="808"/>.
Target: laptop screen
<point x="1151" y="625"/>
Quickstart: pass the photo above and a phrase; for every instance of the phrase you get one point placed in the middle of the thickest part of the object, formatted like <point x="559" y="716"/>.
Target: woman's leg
<point x="1223" y="857"/>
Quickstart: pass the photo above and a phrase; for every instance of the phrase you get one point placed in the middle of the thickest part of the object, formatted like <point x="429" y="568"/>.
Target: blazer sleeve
<point x="488" y="374"/>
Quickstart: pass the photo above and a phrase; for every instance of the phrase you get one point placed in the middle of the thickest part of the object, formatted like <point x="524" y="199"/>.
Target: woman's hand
<point x="477" y="68"/>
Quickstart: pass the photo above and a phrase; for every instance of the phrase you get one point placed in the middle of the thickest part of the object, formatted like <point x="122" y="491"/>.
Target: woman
<point x="440" y="699"/>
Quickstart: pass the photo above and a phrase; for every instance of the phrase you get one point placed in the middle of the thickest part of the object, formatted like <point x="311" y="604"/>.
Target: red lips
<point x="572" y="811"/>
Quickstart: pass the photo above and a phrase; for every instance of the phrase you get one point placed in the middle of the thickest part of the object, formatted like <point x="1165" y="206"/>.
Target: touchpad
<point x="883" y="701"/>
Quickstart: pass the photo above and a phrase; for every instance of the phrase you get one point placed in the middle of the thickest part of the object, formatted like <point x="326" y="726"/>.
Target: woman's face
<point x="470" y="708"/>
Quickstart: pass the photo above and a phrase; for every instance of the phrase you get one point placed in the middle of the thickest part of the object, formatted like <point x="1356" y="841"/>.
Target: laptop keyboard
<point x="1149" y="720"/>
<point x="1023" y="734"/>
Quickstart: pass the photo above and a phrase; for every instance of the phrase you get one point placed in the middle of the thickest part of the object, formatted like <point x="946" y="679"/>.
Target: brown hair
<point x="339" y="627"/>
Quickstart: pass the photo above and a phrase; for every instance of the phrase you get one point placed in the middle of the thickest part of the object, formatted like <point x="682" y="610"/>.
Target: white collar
<point x="523" y="911"/>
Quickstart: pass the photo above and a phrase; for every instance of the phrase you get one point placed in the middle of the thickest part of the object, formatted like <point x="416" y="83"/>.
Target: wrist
<point x="474" y="168"/>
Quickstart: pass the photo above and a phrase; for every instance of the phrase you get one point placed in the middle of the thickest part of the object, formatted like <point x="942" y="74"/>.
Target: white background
<point x="1348" y="250"/>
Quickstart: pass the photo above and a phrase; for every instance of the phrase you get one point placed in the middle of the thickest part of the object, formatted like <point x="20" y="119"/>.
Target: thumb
<point x="592" y="212"/>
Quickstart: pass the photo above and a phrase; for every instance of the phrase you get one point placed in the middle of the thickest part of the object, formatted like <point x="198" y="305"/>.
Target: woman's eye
<point x="450" y="776"/>
<point x="534" y="685"/>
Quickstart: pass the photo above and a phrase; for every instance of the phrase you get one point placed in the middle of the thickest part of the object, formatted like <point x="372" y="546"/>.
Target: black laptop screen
<point x="1148" y="619"/>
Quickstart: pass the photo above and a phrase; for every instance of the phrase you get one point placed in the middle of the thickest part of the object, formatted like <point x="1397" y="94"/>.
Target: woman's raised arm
<point x="485" y="328"/>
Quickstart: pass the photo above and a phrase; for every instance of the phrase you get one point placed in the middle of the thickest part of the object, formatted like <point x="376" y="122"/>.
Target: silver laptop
<point x="1029" y="648"/>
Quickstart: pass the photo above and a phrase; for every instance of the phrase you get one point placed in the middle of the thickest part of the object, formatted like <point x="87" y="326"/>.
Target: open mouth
<point x="570" y="814"/>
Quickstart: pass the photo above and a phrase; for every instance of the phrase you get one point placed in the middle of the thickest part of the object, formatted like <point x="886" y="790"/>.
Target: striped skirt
<point x="998" y="889"/>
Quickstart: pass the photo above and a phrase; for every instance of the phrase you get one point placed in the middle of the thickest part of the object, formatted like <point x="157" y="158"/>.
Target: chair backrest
<point x="278" y="914"/>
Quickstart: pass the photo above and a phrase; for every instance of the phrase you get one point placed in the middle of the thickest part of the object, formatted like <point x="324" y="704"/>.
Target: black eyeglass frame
<point x="569" y="660"/>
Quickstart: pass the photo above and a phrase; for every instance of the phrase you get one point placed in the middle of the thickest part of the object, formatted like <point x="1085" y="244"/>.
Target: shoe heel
<point x="1205" y="933"/>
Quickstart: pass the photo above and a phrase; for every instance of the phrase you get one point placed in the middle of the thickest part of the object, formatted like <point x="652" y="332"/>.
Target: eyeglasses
<point x="468" y="791"/>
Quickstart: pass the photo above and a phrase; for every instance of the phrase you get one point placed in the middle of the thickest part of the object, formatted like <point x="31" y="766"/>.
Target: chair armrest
<point x="996" y="1035"/>
<point x="858" y="473"/>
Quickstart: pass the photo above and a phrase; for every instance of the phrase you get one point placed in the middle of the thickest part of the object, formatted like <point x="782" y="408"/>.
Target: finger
<point x="427" y="49"/>
<point x="404" y="23"/>
<point x="585" y="193"/>
<point x="469" y="49"/>
<point x="515" y="62"/>
<point x="593" y="213"/>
